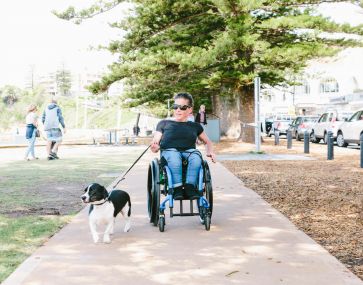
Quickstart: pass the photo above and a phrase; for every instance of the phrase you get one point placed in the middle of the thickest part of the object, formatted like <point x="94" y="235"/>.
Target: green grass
<point x="26" y="187"/>
<point x="21" y="236"/>
<point x="257" y="152"/>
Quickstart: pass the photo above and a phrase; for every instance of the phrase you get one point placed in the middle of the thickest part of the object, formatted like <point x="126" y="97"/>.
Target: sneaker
<point x="50" y="158"/>
<point x="54" y="155"/>
<point x="191" y="192"/>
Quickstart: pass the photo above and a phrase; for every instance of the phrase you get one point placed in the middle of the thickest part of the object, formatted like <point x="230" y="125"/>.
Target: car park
<point x="302" y="124"/>
<point x="351" y="130"/>
<point x="328" y="121"/>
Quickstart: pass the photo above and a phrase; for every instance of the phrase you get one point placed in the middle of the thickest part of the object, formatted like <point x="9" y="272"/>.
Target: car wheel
<point x="340" y="140"/>
<point x="313" y="138"/>
<point x="297" y="136"/>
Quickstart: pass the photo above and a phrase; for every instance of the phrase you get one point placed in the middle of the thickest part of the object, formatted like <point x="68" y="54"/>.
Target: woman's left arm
<point x="208" y="146"/>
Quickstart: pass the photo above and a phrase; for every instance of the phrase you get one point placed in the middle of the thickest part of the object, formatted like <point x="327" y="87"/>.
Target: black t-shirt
<point x="179" y="135"/>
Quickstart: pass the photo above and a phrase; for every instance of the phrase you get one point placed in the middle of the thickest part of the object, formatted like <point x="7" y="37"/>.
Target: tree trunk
<point x="236" y="113"/>
<point x="247" y="114"/>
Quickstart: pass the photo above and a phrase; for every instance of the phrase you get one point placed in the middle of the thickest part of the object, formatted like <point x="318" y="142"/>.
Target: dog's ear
<point x="85" y="189"/>
<point x="105" y="193"/>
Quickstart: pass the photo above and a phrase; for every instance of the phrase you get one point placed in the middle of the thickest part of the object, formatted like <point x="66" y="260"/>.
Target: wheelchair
<point x="157" y="185"/>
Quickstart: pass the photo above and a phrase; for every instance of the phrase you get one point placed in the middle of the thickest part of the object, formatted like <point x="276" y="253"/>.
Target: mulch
<point x="322" y="198"/>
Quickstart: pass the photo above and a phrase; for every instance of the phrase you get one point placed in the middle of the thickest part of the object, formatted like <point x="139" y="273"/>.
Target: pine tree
<point x="64" y="81"/>
<point x="214" y="49"/>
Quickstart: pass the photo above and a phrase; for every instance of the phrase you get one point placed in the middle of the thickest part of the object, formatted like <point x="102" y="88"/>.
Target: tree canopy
<point x="210" y="47"/>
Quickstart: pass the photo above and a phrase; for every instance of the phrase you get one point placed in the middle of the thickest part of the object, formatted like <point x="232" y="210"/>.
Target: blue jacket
<point x="52" y="117"/>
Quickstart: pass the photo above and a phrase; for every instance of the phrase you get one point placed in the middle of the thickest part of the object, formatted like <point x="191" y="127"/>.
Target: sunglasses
<point x="181" y="107"/>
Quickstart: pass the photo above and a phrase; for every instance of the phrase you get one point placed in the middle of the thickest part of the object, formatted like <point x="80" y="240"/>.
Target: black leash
<point x="123" y="176"/>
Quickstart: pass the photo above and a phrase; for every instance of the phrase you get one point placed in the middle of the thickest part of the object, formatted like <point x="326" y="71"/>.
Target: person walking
<point x="52" y="118"/>
<point x="31" y="121"/>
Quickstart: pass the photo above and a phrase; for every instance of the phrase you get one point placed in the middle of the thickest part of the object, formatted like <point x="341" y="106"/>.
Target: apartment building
<point x="329" y="83"/>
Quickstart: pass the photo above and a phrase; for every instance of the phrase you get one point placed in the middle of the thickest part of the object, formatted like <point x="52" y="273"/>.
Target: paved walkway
<point x="249" y="243"/>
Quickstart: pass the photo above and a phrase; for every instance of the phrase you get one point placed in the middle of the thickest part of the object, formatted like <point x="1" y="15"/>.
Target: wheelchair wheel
<point x="161" y="223"/>
<point x="208" y="188"/>
<point x="207" y="222"/>
<point x="153" y="192"/>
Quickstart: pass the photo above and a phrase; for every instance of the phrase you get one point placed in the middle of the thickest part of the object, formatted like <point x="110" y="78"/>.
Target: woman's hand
<point x="155" y="146"/>
<point x="212" y="156"/>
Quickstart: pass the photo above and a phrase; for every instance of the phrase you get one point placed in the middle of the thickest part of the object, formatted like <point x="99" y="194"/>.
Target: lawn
<point x="38" y="197"/>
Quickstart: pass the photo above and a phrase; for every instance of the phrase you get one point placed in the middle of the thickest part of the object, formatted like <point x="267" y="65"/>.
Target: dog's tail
<point x="129" y="211"/>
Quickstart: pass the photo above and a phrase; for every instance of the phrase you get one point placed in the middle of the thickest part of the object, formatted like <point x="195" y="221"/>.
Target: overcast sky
<point x="31" y="35"/>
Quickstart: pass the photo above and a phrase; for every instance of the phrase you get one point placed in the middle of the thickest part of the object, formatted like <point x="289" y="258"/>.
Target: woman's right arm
<point x="155" y="144"/>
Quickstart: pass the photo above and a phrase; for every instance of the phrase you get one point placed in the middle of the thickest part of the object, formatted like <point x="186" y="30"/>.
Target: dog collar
<point x="106" y="200"/>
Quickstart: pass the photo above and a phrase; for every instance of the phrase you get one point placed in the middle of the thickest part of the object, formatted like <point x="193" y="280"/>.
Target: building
<point x="329" y="83"/>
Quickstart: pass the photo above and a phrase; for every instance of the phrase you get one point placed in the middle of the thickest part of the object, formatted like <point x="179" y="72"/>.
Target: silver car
<point x="280" y="124"/>
<point x="302" y="124"/>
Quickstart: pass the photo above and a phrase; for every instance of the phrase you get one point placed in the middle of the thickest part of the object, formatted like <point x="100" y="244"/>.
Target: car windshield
<point x="310" y="119"/>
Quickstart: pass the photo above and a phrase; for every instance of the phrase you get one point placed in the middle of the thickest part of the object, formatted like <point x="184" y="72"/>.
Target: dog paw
<point x="127" y="228"/>
<point x="106" y="239"/>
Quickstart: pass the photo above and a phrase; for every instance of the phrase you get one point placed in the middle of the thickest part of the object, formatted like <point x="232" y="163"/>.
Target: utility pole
<point x="257" y="114"/>
<point x="85" y="110"/>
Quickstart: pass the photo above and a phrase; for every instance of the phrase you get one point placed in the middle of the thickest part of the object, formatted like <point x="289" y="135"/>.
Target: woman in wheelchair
<point x="176" y="140"/>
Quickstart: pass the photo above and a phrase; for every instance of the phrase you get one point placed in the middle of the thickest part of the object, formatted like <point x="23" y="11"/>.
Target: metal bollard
<point x="277" y="137"/>
<point x="330" y="146"/>
<point x="361" y="151"/>
<point x="110" y="137"/>
<point x="289" y="139"/>
<point x="306" y="142"/>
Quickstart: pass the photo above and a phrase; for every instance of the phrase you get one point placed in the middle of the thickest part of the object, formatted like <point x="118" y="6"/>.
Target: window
<point x="323" y="118"/>
<point x="302" y="89"/>
<point x="356" y="116"/>
<point x="329" y="85"/>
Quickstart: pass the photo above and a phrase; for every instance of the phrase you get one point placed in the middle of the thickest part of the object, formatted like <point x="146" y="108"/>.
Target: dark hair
<point x="185" y="95"/>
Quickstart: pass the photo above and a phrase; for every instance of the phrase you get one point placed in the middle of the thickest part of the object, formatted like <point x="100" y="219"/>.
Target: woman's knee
<point x="194" y="161"/>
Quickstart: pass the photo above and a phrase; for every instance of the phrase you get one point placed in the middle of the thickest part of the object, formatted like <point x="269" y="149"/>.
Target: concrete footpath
<point x="249" y="243"/>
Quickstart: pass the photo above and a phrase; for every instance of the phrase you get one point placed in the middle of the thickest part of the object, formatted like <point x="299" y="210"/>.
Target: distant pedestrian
<point x="52" y="118"/>
<point x="31" y="121"/>
<point x="136" y="130"/>
<point x="201" y="116"/>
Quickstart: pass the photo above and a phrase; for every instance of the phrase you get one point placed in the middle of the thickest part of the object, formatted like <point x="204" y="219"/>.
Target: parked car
<point x="351" y="130"/>
<point x="302" y="124"/>
<point x="280" y="123"/>
<point x="328" y="121"/>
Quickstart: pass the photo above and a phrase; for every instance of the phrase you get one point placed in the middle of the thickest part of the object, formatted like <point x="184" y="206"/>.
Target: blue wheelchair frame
<point x="202" y="201"/>
<point x="160" y="175"/>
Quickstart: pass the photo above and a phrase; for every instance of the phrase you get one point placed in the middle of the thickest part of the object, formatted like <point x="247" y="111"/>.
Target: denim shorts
<point x="54" y="135"/>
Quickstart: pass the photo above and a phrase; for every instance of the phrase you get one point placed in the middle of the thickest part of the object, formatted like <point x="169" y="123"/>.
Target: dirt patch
<point x="323" y="198"/>
<point x="59" y="200"/>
